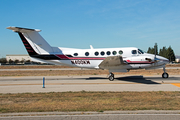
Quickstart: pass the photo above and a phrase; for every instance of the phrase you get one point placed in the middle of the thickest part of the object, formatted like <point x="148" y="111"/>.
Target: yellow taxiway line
<point x="176" y="84"/>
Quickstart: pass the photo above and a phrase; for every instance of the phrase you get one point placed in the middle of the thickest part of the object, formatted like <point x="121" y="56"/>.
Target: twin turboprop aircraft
<point x="112" y="59"/>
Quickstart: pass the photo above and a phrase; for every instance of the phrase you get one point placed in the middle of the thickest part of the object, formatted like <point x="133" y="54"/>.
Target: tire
<point x="111" y="77"/>
<point x="165" y="75"/>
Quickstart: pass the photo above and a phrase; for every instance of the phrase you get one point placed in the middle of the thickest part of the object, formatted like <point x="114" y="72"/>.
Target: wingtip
<point x="9" y="27"/>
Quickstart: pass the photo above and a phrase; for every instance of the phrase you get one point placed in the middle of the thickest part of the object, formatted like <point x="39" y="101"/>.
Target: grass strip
<point x="89" y="101"/>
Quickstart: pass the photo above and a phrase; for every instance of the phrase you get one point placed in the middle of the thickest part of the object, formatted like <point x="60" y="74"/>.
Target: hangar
<point x="18" y="57"/>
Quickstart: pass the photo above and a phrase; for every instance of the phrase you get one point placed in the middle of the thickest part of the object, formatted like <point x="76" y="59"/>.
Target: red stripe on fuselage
<point x="64" y="57"/>
<point x="138" y="62"/>
<point x="87" y="58"/>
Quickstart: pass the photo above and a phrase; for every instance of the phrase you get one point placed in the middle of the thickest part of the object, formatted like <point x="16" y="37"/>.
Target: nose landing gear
<point x="165" y="74"/>
<point x="111" y="76"/>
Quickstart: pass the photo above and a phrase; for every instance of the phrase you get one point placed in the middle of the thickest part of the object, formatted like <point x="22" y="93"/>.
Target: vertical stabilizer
<point x="33" y="41"/>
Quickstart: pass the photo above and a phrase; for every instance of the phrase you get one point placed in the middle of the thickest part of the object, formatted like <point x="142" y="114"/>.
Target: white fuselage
<point x="91" y="58"/>
<point x="113" y="59"/>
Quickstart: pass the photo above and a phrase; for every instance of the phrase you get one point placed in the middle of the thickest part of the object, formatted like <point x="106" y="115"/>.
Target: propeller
<point x="155" y="53"/>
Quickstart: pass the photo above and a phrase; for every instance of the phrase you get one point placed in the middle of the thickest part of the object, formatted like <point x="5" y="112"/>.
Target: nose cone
<point x="162" y="59"/>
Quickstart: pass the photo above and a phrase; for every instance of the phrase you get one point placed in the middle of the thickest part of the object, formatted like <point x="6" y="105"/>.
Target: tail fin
<point x="33" y="41"/>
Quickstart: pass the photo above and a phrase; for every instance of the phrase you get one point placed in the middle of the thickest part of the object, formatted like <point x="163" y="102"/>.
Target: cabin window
<point x="108" y="52"/>
<point x="134" y="52"/>
<point x="96" y="53"/>
<point x="120" y="52"/>
<point x="102" y="53"/>
<point x="75" y="54"/>
<point x="87" y="53"/>
<point x="140" y="51"/>
<point x="114" y="52"/>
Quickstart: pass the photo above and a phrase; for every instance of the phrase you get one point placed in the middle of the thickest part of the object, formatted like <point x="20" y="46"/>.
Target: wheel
<point x="165" y="75"/>
<point x="111" y="77"/>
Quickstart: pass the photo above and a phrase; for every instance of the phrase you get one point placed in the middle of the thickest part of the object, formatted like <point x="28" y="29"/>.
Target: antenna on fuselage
<point x="91" y="47"/>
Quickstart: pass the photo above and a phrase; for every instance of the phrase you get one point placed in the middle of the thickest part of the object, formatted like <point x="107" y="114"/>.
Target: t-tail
<point x="36" y="46"/>
<point x="33" y="41"/>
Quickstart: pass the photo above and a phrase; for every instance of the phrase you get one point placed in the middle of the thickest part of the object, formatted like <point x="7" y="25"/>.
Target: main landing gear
<point x="111" y="76"/>
<point x="165" y="74"/>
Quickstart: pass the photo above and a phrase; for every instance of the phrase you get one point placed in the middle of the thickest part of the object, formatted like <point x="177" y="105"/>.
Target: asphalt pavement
<point x="34" y="84"/>
<point x="106" y="115"/>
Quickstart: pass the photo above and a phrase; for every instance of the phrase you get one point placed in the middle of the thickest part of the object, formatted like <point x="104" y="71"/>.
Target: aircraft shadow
<point x="136" y="79"/>
<point x="164" y="79"/>
<point x="95" y="78"/>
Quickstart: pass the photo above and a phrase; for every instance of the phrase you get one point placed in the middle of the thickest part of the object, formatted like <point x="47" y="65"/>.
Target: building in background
<point x="177" y="60"/>
<point x="22" y="59"/>
<point x="18" y="57"/>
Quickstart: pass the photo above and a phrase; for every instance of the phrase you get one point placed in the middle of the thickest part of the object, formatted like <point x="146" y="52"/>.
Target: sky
<point x="100" y="23"/>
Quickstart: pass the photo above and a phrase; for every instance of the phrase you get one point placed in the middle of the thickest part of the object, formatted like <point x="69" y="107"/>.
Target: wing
<point x="114" y="64"/>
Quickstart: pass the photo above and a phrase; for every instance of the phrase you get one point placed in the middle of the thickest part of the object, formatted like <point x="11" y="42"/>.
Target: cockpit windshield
<point x="140" y="51"/>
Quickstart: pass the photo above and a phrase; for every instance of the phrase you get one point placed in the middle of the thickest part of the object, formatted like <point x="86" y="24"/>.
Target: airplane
<point x="113" y="59"/>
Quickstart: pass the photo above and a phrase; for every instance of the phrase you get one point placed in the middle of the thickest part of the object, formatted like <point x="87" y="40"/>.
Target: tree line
<point x="164" y="52"/>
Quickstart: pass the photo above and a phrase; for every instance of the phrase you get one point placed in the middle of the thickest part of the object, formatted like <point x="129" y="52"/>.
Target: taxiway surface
<point x="34" y="84"/>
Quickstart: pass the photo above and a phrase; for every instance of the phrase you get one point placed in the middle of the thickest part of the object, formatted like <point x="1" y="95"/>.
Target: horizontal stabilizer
<point x="23" y="30"/>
